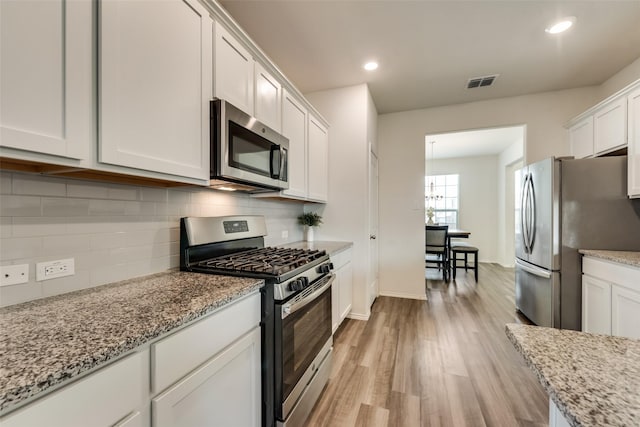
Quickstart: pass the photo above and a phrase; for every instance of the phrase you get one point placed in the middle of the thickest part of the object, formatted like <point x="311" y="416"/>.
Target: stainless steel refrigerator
<point x="563" y="205"/>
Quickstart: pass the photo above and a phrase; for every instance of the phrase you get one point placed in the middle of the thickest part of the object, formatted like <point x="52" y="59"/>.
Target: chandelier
<point x="432" y="194"/>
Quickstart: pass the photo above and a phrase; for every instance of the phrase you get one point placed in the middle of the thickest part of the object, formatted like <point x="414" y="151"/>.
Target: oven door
<point x="303" y="332"/>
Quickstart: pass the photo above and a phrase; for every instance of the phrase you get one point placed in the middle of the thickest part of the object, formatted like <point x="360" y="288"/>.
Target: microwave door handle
<point x="283" y="164"/>
<point x="274" y="160"/>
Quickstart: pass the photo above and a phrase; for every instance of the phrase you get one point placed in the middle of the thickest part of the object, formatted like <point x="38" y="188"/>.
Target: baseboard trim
<point x="356" y="316"/>
<point x="422" y="297"/>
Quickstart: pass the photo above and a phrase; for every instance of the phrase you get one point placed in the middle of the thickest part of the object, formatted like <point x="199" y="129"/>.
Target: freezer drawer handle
<point x="534" y="270"/>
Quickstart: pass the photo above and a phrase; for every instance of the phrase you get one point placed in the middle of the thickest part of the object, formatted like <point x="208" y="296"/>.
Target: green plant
<point x="310" y="219"/>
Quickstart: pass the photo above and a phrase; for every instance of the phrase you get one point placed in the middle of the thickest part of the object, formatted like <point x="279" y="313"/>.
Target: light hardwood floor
<point x="441" y="362"/>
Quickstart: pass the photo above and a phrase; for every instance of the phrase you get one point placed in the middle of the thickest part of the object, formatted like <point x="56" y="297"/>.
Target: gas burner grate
<point x="272" y="261"/>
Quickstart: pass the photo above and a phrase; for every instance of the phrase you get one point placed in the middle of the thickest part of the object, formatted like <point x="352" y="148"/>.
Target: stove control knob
<point x="325" y="268"/>
<point x="294" y="285"/>
<point x="304" y="280"/>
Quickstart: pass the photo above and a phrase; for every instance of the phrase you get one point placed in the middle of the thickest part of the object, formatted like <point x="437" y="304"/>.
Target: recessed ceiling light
<point x="370" y="66"/>
<point x="561" y="26"/>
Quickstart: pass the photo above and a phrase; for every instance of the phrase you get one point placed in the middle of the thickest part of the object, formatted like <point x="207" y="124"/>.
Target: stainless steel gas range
<point x="296" y="306"/>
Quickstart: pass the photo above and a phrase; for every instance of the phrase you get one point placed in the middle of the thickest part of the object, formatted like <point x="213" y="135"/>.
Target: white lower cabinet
<point x="113" y="396"/>
<point x="225" y="391"/>
<point x="556" y="419"/>
<point x="342" y="289"/>
<point x="596" y="306"/>
<point x="610" y="298"/>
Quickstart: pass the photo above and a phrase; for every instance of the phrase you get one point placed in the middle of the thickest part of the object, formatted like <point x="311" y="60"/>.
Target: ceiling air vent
<point x="481" y="81"/>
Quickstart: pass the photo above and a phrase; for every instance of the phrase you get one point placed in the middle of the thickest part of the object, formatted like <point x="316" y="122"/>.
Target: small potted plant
<point x="309" y="220"/>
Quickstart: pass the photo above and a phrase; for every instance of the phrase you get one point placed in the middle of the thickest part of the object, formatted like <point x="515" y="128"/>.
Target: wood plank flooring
<point x="441" y="362"/>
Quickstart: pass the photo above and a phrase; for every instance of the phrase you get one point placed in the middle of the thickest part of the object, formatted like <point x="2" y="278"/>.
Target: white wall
<point x="401" y="145"/>
<point x="114" y="232"/>
<point x="506" y="203"/>
<point x="346" y="213"/>
<point x="478" y="199"/>
<point x="624" y="77"/>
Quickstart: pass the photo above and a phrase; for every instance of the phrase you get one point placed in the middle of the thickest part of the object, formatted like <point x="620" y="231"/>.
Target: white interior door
<point x="373" y="227"/>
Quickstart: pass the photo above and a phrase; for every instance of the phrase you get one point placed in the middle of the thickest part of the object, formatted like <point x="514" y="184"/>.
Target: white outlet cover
<point x="61" y="268"/>
<point x="14" y="274"/>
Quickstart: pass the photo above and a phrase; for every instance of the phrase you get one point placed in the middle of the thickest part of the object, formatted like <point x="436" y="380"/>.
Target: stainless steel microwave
<point x="246" y="155"/>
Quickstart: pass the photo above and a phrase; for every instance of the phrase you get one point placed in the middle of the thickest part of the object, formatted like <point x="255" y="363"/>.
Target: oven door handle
<point x="291" y="308"/>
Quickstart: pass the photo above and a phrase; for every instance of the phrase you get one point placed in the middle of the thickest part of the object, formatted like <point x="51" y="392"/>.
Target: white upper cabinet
<point x="633" y="151"/>
<point x="581" y="138"/>
<point x="46" y="95"/>
<point x="268" y="98"/>
<point x="155" y="86"/>
<point x="294" y="127"/>
<point x="233" y="71"/>
<point x="610" y="126"/>
<point x="318" y="161"/>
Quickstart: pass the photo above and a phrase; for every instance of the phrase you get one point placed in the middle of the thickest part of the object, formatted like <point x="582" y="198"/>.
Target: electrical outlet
<point x="285" y="234"/>
<point x="14" y="274"/>
<point x="54" y="269"/>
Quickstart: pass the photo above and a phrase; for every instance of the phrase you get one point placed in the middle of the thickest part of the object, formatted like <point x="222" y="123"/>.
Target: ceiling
<point x="483" y="142"/>
<point x="427" y="50"/>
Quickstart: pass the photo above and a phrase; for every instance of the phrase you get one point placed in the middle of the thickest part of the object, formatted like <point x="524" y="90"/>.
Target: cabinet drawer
<point x="341" y="258"/>
<point x="100" y="399"/>
<point x="623" y="275"/>
<point x="177" y="355"/>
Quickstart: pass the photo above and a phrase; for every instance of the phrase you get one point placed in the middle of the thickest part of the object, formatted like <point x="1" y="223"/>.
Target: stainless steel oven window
<point x="304" y="333"/>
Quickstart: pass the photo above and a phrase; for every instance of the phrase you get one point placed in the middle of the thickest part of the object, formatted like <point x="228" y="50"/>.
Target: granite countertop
<point x="622" y="257"/>
<point x="48" y="341"/>
<point x="331" y="247"/>
<point x="593" y="379"/>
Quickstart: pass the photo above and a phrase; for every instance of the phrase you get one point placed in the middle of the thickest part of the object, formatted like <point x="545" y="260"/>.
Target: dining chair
<point x="436" y="251"/>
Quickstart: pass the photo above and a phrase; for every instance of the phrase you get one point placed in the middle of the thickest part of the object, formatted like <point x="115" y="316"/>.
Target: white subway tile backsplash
<point x="63" y="246"/>
<point x="5" y="182"/>
<point x="148" y="194"/>
<point x="20" y="205"/>
<point x="10" y="295"/>
<point x="122" y="192"/>
<point x="107" y="207"/>
<point x="39" y="226"/>
<point x="64" y="207"/>
<point x="38" y="185"/>
<point x="107" y="240"/>
<point x="20" y="247"/>
<point x="89" y="190"/>
<point x="6" y="226"/>
<point x="113" y="231"/>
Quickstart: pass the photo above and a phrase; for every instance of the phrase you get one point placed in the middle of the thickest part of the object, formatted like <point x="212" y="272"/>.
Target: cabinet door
<point x="625" y="312"/>
<point x="346" y="290"/>
<point x="596" y="306"/>
<point x="155" y="86"/>
<point x="556" y="419"/>
<point x="294" y="127"/>
<point x="318" y="161"/>
<point x="225" y="391"/>
<point x="581" y="138"/>
<point x="268" y="99"/>
<point x="610" y="126"/>
<point x="46" y="85"/>
<point x="335" y="304"/>
<point x="633" y="151"/>
<point x="106" y="398"/>
<point x="233" y="71"/>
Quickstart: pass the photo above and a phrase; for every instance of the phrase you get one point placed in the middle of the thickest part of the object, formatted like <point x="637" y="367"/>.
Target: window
<point x="441" y="194"/>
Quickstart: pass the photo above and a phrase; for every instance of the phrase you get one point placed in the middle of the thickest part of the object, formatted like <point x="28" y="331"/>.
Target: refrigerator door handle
<point x="523" y="214"/>
<point x="536" y="271"/>
<point x="532" y="217"/>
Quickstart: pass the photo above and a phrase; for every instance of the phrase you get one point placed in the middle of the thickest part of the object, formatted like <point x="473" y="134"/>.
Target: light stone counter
<point x="622" y="257"/>
<point x="331" y="248"/>
<point x="48" y="341"/>
<point x="594" y="380"/>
